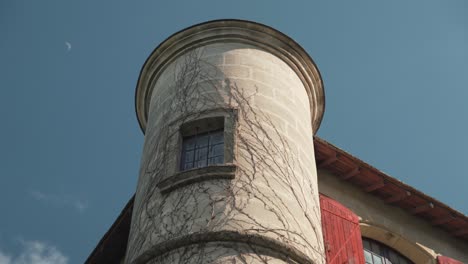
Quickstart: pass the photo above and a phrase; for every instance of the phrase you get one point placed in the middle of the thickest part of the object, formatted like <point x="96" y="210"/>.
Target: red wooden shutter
<point x="447" y="260"/>
<point x="341" y="233"/>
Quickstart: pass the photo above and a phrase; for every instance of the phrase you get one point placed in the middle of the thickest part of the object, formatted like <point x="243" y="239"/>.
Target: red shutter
<point x="447" y="260"/>
<point x="341" y="233"/>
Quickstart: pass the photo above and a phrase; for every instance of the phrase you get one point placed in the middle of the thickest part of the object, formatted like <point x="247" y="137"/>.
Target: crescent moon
<point x="69" y="46"/>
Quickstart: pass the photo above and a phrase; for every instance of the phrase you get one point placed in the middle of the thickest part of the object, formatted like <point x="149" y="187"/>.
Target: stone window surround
<point x="175" y="177"/>
<point x="411" y="250"/>
<point x="385" y="251"/>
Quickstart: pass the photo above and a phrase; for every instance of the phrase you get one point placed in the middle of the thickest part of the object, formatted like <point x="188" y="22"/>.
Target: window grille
<point x="201" y="150"/>
<point x="378" y="253"/>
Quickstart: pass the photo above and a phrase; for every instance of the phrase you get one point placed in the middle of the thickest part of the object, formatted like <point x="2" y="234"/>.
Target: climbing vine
<point x="268" y="213"/>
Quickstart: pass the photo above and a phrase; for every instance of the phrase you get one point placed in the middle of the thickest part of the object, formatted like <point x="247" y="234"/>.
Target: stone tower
<point x="228" y="173"/>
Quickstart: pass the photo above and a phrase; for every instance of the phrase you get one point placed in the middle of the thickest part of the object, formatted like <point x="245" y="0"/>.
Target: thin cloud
<point x="68" y="45"/>
<point x="38" y="195"/>
<point x="59" y="201"/>
<point x="4" y="259"/>
<point x="80" y="206"/>
<point x="34" y="252"/>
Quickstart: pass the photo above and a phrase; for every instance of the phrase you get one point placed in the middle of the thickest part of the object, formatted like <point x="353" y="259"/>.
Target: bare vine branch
<point x="264" y="155"/>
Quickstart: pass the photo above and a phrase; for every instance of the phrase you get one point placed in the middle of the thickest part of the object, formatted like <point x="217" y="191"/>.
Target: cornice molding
<point x="231" y="31"/>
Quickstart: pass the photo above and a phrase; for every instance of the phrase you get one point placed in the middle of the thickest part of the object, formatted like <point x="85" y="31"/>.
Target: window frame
<point x="408" y="248"/>
<point x="208" y="120"/>
<point x="209" y="146"/>
<point x="384" y="253"/>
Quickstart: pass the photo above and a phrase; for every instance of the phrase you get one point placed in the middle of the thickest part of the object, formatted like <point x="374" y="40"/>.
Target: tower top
<point x="231" y="31"/>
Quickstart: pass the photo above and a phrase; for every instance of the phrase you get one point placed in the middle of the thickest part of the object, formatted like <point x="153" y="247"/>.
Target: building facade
<point x="231" y="171"/>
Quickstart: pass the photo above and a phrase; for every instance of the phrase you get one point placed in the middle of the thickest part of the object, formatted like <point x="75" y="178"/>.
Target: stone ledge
<point x="261" y="244"/>
<point x="183" y="178"/>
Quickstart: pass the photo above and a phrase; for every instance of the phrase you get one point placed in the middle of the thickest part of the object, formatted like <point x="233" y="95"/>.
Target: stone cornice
<point x="231" y="31"/>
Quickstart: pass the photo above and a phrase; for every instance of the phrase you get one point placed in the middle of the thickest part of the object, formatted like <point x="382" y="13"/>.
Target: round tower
<point x="228" y="173"/>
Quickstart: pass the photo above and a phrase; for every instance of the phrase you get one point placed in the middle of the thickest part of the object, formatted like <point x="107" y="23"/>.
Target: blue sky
<point x="396" y="84"/>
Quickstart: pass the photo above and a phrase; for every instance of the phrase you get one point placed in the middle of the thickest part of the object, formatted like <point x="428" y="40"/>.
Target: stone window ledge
<point x="183" y="178"/>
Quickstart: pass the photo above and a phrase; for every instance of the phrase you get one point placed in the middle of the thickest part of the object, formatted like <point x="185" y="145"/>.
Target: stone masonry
<point x="259" y="206"/>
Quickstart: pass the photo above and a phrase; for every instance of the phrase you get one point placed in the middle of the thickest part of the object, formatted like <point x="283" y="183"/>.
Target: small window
<point x="201" y="150"/>
<point x="378" y="253"/>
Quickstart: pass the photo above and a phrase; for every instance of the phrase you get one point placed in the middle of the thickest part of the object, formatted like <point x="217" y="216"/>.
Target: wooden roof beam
<point x="461" y="232"/>
<point x="351" y="173"/>
<point x="423" y="208"/>
<point x="443" y="220"/>
<point x="398" y="198"/>
<point x="375" y="186"/>
<point x="327" y="162"/>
